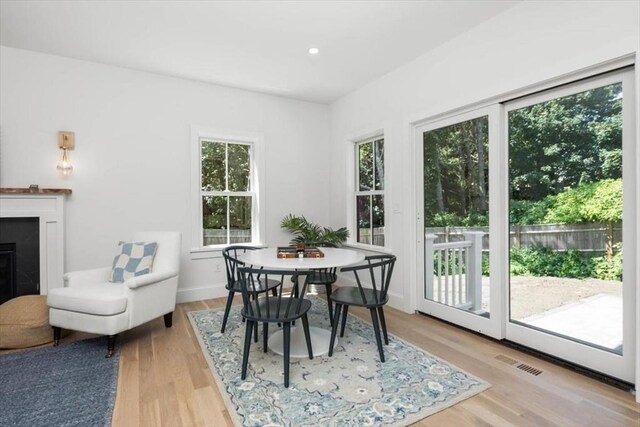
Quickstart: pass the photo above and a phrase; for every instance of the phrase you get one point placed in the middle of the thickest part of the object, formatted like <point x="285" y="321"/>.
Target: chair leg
<point x="255" y="331"/>
<point x="226" y="312"/>
<point x="384" y="325"/>
<point x="56" y="336"/>
<point x="344" y="320"/>
<point x="168" y="320"/>
<point x="329" y="303"/>
<point x="334" y="329"/>
<point x="274" y="292"/>
<point x="307" y="334"/>
<point x="265" y="335"/>
<point x="295" y="289"/>
<point x="111" y="341"/>
<point x="376" y="329"/>
<point x="286" y="344"/>
<point x="247" y="347"/>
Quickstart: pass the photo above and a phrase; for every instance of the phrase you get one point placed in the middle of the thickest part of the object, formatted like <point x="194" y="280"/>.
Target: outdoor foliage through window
<point x="565" y="165"/>
<point x="370" y="192"/>
<point x="456" y="175"/>
<point x="226" y="192"/>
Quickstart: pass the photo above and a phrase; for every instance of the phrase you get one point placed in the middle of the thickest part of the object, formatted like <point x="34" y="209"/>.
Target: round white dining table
<point x="333" y="257"/>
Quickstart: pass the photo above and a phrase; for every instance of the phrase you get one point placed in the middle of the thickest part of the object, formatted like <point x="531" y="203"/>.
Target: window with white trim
<point x="369" y="191"/>
<point x="227" y="192"/>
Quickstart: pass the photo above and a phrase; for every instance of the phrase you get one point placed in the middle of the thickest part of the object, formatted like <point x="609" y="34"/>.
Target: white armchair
<point x="88" y="302"/>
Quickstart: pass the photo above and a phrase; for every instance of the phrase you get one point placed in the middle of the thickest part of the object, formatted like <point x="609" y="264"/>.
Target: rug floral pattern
<point x="351" y="388"/>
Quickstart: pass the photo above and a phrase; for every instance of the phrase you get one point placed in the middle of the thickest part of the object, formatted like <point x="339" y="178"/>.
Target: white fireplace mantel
<point x="48" y="206"/>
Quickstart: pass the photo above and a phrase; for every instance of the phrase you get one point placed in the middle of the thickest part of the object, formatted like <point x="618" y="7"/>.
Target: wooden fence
<point x="378" y="236"/>
<point x="591" y="237"/>
<point x="219" y="237"/>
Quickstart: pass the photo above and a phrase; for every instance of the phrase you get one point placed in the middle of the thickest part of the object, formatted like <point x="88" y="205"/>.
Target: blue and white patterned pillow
<point x="135" y="259"/>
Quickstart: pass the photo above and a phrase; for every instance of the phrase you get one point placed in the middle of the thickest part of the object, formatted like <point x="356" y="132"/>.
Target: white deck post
<point x="429" y="240"/>
<point x="474" y="284"/>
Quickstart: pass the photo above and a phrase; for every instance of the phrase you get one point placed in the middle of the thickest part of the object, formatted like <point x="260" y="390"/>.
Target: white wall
<point x="132" y="156"/>
<point x="527" y="44"/>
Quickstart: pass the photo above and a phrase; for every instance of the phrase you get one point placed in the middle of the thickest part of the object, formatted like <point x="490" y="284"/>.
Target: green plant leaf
<point x="306" y="231"/>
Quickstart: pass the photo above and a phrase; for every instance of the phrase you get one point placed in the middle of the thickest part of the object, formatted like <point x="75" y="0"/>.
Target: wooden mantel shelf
<point x="6" y="190"/>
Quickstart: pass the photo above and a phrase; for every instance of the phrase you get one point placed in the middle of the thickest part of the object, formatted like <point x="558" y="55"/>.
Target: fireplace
<point x="33" y="219"/>
<point x="19" y="257"/>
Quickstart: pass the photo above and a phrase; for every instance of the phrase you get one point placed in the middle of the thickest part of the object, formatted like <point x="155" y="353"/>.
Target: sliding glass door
<point x="571" y="189"/>
<point x="456" y="220"/>
<point x="527" y="226"/>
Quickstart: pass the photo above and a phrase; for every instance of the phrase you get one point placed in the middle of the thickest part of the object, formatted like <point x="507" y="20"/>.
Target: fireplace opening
<point x="19" y="257"/>
<point x="7" y="271"/>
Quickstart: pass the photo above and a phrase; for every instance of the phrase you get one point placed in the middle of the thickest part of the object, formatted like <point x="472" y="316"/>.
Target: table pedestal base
<point x="320" y="339"/>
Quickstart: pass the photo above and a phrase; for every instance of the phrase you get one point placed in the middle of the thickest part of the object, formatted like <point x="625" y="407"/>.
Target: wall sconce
<point x="66" y="142"/>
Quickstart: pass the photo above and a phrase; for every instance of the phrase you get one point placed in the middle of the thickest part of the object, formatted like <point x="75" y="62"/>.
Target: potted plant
<point x="306" y="231"/>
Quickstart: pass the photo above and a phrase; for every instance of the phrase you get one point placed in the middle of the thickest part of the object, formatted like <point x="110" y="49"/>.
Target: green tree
<point x="565" y="142"/>
<point x="456" y="174"/>
<point x="590" y="202"/>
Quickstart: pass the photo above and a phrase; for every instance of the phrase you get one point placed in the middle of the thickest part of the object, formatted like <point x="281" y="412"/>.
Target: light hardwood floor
<point x="164" y="380"/>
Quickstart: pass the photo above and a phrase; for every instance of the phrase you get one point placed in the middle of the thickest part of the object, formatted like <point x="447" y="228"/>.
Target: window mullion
<point x="357" y="177"/>
<point x="226" y="189"/>
<point x="371" y="218"/>
<point x="373" y="165"/>
<point x="226" y="166"/>
<point x="228" y="220"/>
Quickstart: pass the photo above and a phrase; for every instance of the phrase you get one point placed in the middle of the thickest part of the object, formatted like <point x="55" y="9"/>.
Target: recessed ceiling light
<point x="314" y="51"/>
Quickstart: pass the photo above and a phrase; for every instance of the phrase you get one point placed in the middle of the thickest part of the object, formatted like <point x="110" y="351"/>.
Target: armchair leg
<point x="168" y="320"/>
<point x="56" y="336"/>
<point x="111" y="341"/>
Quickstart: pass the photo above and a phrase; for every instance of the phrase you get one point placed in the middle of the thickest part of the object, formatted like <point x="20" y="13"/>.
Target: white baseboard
<point x="198" y="294"/>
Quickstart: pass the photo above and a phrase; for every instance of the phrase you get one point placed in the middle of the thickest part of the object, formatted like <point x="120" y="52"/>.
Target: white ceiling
<point x="261" y="46"/>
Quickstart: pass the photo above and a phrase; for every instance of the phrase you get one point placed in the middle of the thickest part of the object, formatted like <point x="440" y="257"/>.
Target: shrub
<point x="573" y="264"/>
<point x="485" y="264"/>
<point x="449" y="219"/>
<point x="609" y="269"/>
<point x="543" y="261"/>
<point x="444" y="219"/>
<point x="599" y="201"/>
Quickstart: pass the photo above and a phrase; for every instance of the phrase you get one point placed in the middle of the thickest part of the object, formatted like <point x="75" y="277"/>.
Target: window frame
<point x="355" y="182"/>
<point x="200" y="135"/>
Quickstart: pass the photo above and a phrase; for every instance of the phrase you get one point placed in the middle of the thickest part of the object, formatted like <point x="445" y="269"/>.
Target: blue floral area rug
<point x="351" y="388"/>
<point x="69" y="385"/>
